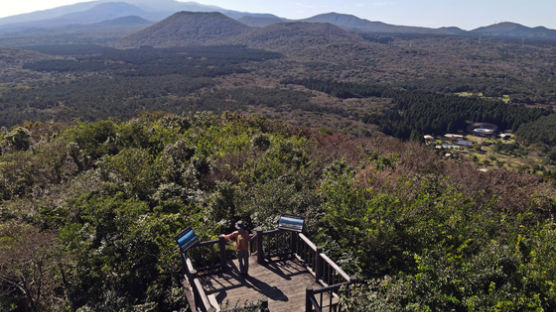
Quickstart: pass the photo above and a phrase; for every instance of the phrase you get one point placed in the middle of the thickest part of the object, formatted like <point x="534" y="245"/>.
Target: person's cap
<point x="240" y="225"/>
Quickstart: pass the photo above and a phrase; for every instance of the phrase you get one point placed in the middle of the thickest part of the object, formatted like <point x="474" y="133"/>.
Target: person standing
<point x="241" y="239"/>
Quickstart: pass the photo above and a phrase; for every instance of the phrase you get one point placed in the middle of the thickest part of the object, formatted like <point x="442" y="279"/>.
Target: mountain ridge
<point x="260" y="21"/>
<point x="156" y="10"/>
<point x="354" y="23"/>
<point x="515" y="30"/>
<point x="163" y="8"/>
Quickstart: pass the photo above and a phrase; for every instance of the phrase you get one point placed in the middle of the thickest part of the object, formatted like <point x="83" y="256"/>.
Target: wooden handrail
<point x="331" y="287"/>
<point x="308" y="242"/>
<point x="203" y="296"/>
<point x="314" y="305"/>
<point x="335" y="267"/>
<point x="207" y="243"/>
<point x="271" y="231"/>
<point x="189" y="266"/>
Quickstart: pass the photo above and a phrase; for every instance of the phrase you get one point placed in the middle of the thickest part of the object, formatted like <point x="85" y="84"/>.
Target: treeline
<point x="418" y="112"/>
<point x="277" y="99"/>
<point x="71" y="49"/>
<point x="95" y="98"/>
<point x="124" y="82"/>
<point x="147" y="61"/>
<point x="541" y="131"/>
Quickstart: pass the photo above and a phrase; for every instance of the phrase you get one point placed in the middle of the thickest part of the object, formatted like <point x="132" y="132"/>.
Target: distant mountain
<point x="187" y="28"/>
<point x="354" y="23"/>
<point x="513" y="30"/>
<point x="451" y="30"/>
<point x="118" y="27"/>
<point x="90" y="12"/>
<point x="344" y="21"/>
<point x="108" y="30"/>
<point x="173" y="6"/>
<point x="47" y="14"/>
<point x="95" y="12"/>
<point x="100" y="13"/>
<point x="261" y="21"/>
<point x="94" y="15"/>
<point x="126" y="21"/>
<point x="285" y="37"/>
<point x="162" y="8"/>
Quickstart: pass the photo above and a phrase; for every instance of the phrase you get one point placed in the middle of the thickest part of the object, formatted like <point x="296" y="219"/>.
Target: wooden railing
<point x="274" y="244"/>
<point x="325" y="299"/>
<point x="205" y="258"/>
<point x="326" y="272"/>
<point x="269" y="245"/>
<point x="200" y="299"/>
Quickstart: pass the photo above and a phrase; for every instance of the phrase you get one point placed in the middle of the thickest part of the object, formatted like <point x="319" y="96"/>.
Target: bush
<point x="19" y="139"/>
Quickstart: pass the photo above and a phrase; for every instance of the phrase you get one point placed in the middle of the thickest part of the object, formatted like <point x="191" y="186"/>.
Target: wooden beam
<point x="207" y="243"/>
<point x="260" y="252"/>
<point x="188" y="293"/>
<point x="318" y="264"/>
<point x="308" y="242"/>
<point x="222" y="244"/>
<point x="203" y="296"/>
<point x="189" y="267"/>
<point x="335" y="267"/>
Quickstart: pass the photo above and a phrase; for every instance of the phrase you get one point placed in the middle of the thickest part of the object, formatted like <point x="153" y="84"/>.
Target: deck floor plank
<point x="282" y="283"/>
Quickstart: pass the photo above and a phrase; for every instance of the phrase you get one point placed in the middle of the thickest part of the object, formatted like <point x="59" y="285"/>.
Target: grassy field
<point x="504" y="98"/>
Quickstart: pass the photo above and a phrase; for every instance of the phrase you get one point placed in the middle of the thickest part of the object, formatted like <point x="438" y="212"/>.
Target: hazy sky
<point x="466" y="14"/>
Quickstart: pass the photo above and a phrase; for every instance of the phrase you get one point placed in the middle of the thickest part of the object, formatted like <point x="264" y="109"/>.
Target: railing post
<point x="293" y="242"/>
<point x="308" y="304"/>
<point x="260" y="253"/>
<point x="222" y="245"/>
<point x="264" y="306"/>
<point x="318" y="262"/>
<point x="185" y="269"/>
<point x="183" y="266"/>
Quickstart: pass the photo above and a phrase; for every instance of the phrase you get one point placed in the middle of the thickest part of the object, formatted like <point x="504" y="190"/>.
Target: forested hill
<point x="354" y="23"/>
<point x="88" y="213"/>
<point x="513" y="30"/>
<point x="194" y="28"/>
<point x="187" y="28"/>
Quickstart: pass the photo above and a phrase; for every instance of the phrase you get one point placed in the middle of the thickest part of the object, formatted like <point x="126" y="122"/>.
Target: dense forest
<point x="116" y="83"/>
<point x="88" y="213"/>
<point x="542" y="130"/>
<point x="416" y="113"/>
<point x="147" y="61"/>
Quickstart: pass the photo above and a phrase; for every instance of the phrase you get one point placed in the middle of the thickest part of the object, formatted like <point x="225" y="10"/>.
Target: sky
<point x="466" y="14"/>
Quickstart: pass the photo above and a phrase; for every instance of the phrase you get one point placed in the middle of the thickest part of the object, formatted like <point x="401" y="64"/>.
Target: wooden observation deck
<point x="287" y="272"/>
